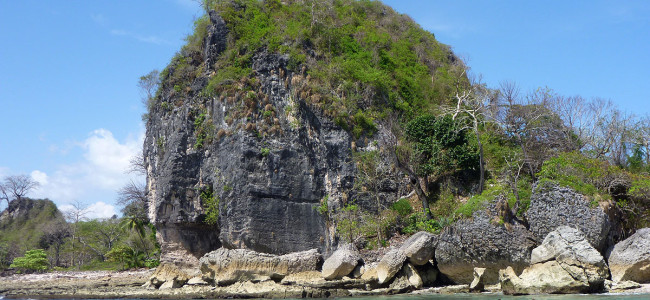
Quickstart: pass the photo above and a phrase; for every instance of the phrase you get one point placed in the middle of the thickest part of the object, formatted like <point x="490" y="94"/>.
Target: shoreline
<point x="128" y="284"/>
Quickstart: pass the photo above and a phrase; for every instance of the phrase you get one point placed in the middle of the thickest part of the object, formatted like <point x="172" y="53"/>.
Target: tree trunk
<point x="480" y="156"/>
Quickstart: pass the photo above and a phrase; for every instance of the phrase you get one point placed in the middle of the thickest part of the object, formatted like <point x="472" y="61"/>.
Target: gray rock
<point x="630" y="259"/>
<point x="484" y="243"/>
<point x="552" y="206"/>
<point x="266" y="202"/>
<point x="564" y="263"/>
<point x="341" y="263"/>
<point x="419" y="248"/>
<point x="224" y="267"/>
<point x="428" y="273"/>
<point x="477" y="284"/>
<point x="413" y="276"/>
<point x="622" y="286"/>
<point x="389" y="265"/>
<point x="167" y="276"/>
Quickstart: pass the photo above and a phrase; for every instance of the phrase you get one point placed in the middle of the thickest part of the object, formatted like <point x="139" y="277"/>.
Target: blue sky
<point x="70" y="107"/>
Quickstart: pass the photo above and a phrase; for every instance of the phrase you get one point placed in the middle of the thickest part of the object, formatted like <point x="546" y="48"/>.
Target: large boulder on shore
<point x="224" y="266"/>
<point x="167" y="276"/>
<point x="419" y="248"/>
<point x="390" y="264"/>
<point x="552" y="206"/>
<point x="341" y="262"/>
<point x="630" y="259"/>
<point x="485" y="243"/>
<point x="564" y="263"/>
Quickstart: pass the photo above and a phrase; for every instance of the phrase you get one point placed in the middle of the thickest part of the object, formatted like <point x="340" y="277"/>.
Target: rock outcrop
<point x="552" y="206"/>
<point x="267" y="170"/>
<point x="341" y="263"/>
<point x="564" y="263"/>
<point x="481" y="242"/>
<point x="419" y="248"/>
<point x="390" y="264"/>
<point x="630" y="259"/>
<point x="223" y="266"/>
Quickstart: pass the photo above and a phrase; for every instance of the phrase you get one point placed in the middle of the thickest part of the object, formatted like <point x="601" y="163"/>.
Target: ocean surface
<point x="479" y="297"/>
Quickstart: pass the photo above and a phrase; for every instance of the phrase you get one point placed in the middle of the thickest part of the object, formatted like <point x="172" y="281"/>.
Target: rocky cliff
<point x="245" y="163"/>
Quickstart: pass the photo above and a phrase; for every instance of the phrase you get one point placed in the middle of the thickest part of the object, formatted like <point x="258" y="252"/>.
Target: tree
<point x="472" y="103"/>
<point x="54" y="237"/>
<point x="74" y="215"/>
<point x="14" y="187"/>
<point x="148" y="85"/>
<point x="34" y="260"/>
<point x="133" y="198"/>
<point x="370" y="172"/>
<point x="437" y="147"/>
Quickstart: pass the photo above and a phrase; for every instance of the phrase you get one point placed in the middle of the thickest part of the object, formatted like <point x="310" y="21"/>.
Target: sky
<point x="70" y="110"/>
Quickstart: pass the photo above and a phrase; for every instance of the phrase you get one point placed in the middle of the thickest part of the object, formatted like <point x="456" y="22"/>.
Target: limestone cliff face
<point x="268" y="185"/>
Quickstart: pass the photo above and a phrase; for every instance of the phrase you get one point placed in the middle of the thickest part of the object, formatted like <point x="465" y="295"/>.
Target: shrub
<point x="402" y="207"/>
<point x="265" y="152"/>
<point x="34" y="260"/>
<point x="210" y="204"/>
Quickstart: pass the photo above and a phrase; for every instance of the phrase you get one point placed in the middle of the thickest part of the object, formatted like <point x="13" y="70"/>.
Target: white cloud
<point x="100" y="210"/>
<point x="95" y="178"/>
<point x="152" y="39"/>
<point x="39" y="177"/>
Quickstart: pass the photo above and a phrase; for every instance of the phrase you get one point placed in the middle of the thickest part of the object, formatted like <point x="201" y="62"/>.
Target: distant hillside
<point x="23" y="224"/>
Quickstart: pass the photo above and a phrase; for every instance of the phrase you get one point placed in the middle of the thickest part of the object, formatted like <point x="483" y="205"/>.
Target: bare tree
<point x="133" y="198"/>
<point x="74" y="215"/>
<point x="54" y="237"/>
<point x="137" y="165"/>
<point x="14" y="187"/>
<point x="472" y="103"/>
<point x="148" y="85"/>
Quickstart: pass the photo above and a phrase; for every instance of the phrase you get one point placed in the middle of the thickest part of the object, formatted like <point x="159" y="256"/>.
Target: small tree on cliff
<point x="434" y="147"/>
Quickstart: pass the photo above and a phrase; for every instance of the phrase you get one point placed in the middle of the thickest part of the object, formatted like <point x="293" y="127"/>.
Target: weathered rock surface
<point x="413" y="276"/>
<point x="266" y="201"/>
<point x="428" y="273"/>
<point x="564" y="263"/>
<point x="419" y="248"/>
<point x="167" y="276"/>
<point x="478" y="284"/>
<point x="481" y="242"/>
<point x="224" y="267"/>
<point x="341" y="263"/>
<point x="621" y="286"/>
<point x="389" y="265"/>
<point x="552" y="206"/>
<point x="630" y="259"/>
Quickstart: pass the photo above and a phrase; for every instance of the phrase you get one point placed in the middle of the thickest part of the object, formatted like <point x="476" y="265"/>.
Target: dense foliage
<point x="368" y="68"/>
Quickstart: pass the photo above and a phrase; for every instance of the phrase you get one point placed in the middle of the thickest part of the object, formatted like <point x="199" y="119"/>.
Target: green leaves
<point x="442" y="145"/>
<point x="34" y="260"/>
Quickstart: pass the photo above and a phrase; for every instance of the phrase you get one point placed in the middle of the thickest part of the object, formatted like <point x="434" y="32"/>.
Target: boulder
<point x="389" y="265"/>
<point x="370" y="272"/>
<point x="428" y="273"/>
<point x="630" y="259"/>
<point x="224" y="266"/>
<point x="481" y="242"/>
<point x="167" y="276"/>
<point x="413" y="276"/>
<point x="564" y="263"/>
<point x="477" y="284"/>
<point x="552" y="206"/>
<point x="419" y="248"/>
<point x="341" y="263"/>
<point x="621" y="286"/>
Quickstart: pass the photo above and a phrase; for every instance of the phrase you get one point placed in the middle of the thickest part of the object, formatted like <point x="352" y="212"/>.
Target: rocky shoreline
<point x="565" y="263"/>
<point x="128" y="284"/>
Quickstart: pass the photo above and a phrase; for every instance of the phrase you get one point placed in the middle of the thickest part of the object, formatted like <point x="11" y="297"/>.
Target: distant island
<point x="335" y="148"/>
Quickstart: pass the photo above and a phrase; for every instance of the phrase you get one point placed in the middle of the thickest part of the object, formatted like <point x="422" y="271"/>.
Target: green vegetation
<point x="34" y="260"/>
<point x="210" y="204"/>
<point x="367" y="68"/>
